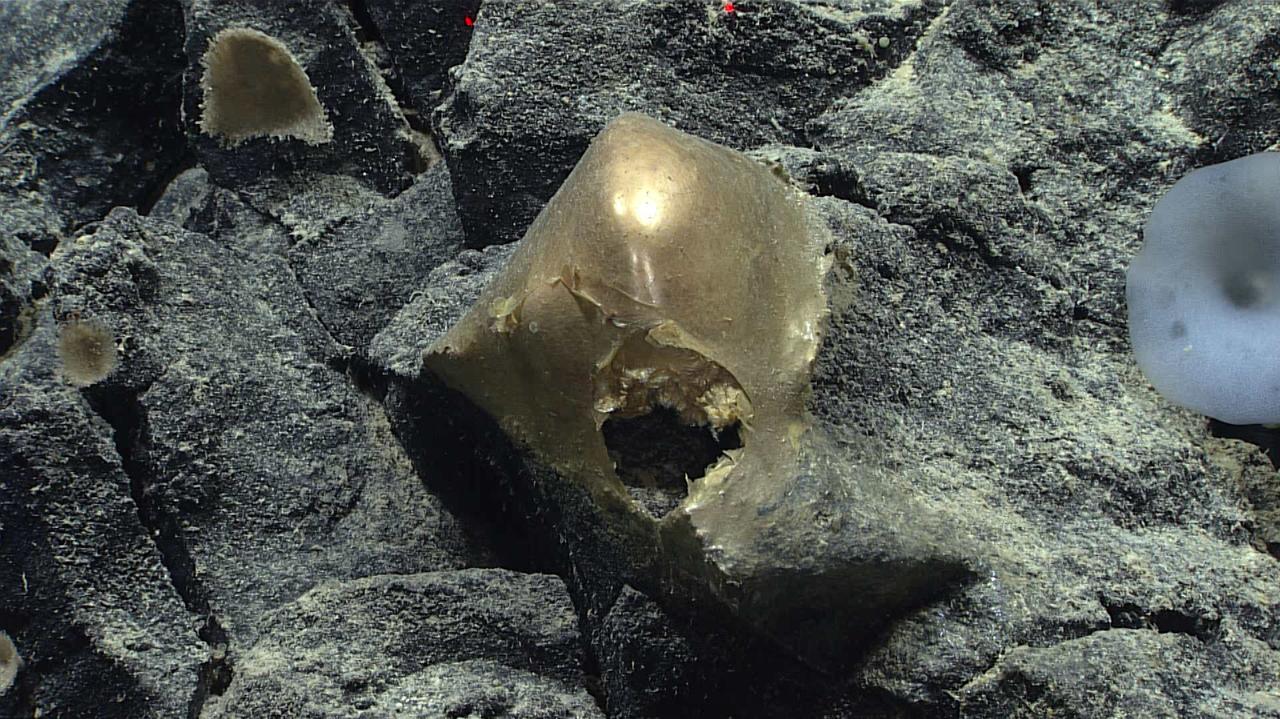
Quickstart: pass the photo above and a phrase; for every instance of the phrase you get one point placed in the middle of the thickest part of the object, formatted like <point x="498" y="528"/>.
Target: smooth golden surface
<point x="669" y="271"/>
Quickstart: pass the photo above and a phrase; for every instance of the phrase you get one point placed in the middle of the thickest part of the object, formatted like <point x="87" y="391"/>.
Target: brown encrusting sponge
<point x="10" y="662"/>
<point x="87" y="350"/>
<point x="254" y="87"/>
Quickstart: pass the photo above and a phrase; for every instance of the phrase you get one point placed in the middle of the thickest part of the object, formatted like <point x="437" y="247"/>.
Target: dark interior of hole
<point x="654" y="453"/>
<point x="1265" y="437"/>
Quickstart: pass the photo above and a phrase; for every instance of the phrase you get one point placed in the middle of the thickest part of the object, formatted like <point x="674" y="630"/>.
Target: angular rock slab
<point x="364" y="270"/>
<point x="87" y="111"/>
<point x="540" y="80"/>
<point x="425" y="39"/>
<point x="671" y="273"/>
<point x="85" y="592"/>
<point x="266" y="471"/>
<point x="475" y="642"/>
<point x="1127" y="672"/>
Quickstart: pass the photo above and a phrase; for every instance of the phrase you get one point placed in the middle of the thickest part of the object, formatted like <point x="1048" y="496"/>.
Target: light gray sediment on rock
<point x="489" y="641"/>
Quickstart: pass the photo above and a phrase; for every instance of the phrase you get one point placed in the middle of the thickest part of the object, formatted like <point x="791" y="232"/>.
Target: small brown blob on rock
<point x="10" y="662"/>
<point x="87" y="351"/>
<point x="254" y="87"/>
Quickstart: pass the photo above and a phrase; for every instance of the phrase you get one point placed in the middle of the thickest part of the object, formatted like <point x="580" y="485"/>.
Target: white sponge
<point x="1204" y="292"/>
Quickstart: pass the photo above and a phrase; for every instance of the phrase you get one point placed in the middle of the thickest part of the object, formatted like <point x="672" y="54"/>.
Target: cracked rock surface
<point x="267" y="507"/>
<point x="487" y="641"/>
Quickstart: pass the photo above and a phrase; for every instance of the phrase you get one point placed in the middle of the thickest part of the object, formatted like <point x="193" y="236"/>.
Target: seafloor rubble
<point x="266" y="448"/>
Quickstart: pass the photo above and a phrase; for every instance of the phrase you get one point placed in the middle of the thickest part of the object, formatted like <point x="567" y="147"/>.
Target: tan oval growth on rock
<point x="87" y="351"/>
<point x="10" y="662"/>
<point x="254" y="87"/>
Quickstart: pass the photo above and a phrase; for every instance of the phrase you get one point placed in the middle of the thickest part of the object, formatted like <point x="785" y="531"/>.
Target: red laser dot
<point x="728" y="7"/>
<point x="469" y="20"/>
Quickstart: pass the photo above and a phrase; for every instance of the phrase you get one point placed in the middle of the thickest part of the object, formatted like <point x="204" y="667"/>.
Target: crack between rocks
<point x="486" y="516"/>
<point x="482" y="509"/>
<point x="185" y="157"/>
<point x="368" y="31"/>
<point x="25" y="320"/>
<point x="344" y="351"/>
<point x="980" y="248"/>
<point x="123" y="412"/>
<point x="157" y="188"/>
<point x="919" y="18"/>
<point x="1122" y="616"/>
<point x="370" y="382"/>
<point x="945" y="232"/>
<point x="1127" y="615"/>
<point x="843" y="184"/>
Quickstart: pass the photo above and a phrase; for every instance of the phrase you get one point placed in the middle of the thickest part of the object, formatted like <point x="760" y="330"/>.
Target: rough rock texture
<point x="1185" y="676"/>
<point x="423" y="40"/>
<point x="984" y="170"/>
<point x="88" y="111"/>
<point x="317" y="488"/>
<point x="644" y="659"/>
<point x="541" y="79"/>
<point x="447" y="293"/>
<point x="473" y="642"/>
<point x="314" y="448"/>
<point x="21" y="280"/>
<point x="358" y="273"/>
<point x="84" y="591"/>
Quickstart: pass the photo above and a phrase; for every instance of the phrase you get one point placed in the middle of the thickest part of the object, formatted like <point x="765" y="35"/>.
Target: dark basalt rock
<point x="541" y="80"/>
<point x="425" y="39"/>
<point x="85" y="591"/>
<point x="358" y="274"/>
<point x="88" y="112"/>
<point x="490" y="642"/>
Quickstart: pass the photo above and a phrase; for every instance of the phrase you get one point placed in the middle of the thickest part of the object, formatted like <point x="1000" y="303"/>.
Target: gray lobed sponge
<point x="1204" y="292"/>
